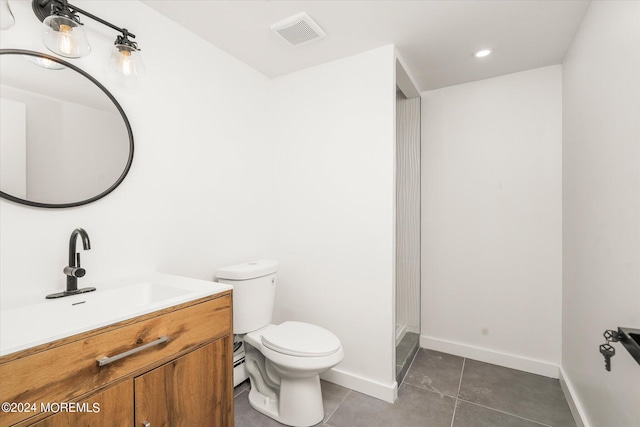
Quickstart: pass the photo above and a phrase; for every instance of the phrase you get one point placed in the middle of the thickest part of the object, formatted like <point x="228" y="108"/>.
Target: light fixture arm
<point x="100" y="20"/>
<point x="43" y="8"/>
<point x="64" y="36"/>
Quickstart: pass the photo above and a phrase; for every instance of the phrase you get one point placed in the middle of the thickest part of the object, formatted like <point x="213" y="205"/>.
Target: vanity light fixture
<point x="125" y="57"/>
<point x="482" y="53"/>
<point x="6" y="17"/>
<point x="63" y="35"/>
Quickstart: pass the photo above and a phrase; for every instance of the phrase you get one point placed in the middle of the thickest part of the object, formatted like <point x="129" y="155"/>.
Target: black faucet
<point x="73" y="270"/>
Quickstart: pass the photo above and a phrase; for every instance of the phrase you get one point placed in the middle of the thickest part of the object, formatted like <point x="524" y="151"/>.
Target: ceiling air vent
<point x="298" y="29"/>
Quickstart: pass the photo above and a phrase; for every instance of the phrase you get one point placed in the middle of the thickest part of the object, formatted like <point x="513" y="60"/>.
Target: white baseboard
<point x="520" y="363"/>
<point x="400" y="333"/>
<point x="572" y="399"/>
<point x="386" y="392"/>
<point x="413" y="329"/>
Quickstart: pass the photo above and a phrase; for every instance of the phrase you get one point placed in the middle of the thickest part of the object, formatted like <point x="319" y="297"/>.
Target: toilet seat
<point x="300" y="339"/>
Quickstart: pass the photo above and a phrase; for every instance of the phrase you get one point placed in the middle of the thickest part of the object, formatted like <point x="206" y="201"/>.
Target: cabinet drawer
<point x="62" y="373"/>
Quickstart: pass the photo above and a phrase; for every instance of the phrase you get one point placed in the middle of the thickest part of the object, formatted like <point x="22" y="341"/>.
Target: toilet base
<point x="299" y="403"/>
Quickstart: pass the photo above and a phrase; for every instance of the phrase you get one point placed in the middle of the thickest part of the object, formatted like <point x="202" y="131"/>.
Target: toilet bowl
<point x="284" y="361"/>
<point x="292" y="364"/>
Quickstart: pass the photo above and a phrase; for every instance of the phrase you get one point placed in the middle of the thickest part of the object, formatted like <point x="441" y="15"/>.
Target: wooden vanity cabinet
<point x="115" y="404"/>
<point x="185" y="381"/>
<point x="177" y="394"/>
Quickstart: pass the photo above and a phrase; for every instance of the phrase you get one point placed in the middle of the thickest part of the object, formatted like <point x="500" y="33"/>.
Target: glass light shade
<point x="6" y="17"/>
<point x="127" y="61"/>
<point x="46" y="63"/>
<point x="65" y="37"/>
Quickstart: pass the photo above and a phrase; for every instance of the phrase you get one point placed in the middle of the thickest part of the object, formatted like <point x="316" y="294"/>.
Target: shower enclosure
<point x="407" y="225"/>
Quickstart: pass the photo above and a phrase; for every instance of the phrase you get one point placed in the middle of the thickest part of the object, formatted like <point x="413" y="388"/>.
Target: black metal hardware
<point x="61" y="8"/>
<point x="123" y="40"/>
<point x="115" y="102"/>
<point x="44" y="8"/>
<point x="630" y="339"/>
<point x="73" y="271"/>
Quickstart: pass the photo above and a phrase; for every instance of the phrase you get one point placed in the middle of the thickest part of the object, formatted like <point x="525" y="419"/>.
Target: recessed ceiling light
<point x="482" y="53"/>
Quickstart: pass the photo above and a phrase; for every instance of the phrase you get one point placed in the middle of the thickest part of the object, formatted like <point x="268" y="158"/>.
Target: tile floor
<point x="405" y="353"/>
<point x="440" y="390"/>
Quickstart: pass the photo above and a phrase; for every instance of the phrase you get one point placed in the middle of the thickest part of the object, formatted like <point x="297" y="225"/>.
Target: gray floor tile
<point x="246" y="416"/>
<point x="415" y="407"/>
<point x="525" y="395"/>
<point x="435" y="371"/>
<point x="405" y="348"/>
<point x="472" y="415"/>
<point x="405" y="353"/>
<point x="332" y="397"/>
<point x="502" y="398"/>
<point x="241" y="387"/>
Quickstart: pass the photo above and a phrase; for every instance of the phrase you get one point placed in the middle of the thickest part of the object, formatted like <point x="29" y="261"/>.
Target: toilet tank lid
<point x="248" y="270"/>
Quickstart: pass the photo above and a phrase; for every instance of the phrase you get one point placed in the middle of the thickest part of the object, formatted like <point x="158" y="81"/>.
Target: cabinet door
<point x="111" y="407"/>
<point x="193" y="390"/>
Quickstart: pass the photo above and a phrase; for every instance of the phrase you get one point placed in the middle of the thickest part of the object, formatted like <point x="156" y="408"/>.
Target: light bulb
<point x="6" y="17"/>
<point x="126" y="61"/>
<point x="126" y="66"/>
<point x="65" y="37"/>
<point x="65" y="40"/>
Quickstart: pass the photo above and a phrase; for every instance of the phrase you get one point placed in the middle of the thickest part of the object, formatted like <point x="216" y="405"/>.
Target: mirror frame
<point x="115" y="102"/>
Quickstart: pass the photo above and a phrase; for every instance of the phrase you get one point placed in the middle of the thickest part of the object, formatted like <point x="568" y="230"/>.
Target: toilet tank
<point x="254" y="291"/>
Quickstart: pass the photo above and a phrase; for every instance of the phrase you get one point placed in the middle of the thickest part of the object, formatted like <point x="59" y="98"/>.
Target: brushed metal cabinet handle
<point x="146" y="424"/>
<point x="106" y="360"/>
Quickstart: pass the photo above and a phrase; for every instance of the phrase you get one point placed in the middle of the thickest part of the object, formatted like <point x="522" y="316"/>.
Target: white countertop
<point x="50" y="320"/>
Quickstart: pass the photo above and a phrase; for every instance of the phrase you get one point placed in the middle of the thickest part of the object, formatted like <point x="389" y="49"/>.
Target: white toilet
<point x="283" y="361"/>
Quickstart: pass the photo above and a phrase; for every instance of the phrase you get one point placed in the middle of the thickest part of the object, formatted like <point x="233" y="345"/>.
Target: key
<point x="609" y="335"/>
<point x="607" y="351"/>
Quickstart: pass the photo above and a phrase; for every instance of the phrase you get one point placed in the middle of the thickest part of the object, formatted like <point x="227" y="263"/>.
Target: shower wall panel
<point x="407" y="215"/>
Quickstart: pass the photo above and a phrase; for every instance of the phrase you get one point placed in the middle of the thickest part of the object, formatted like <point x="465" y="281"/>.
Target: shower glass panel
<point x="407" y="231"/>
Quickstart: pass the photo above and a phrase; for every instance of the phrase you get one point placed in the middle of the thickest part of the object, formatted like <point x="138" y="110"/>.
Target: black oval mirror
<point x="64" y="139"/>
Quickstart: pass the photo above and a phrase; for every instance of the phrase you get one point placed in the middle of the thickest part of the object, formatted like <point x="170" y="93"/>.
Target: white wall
<point x="13" y="150"/>
<point x="491" y="220"/>
<point x="198" y="194"/>
<point x="334" y="142"/>
<point x="601" y="210"/>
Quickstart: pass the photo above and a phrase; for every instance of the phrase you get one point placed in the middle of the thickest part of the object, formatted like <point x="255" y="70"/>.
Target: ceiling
<point x="435" y="38"/>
